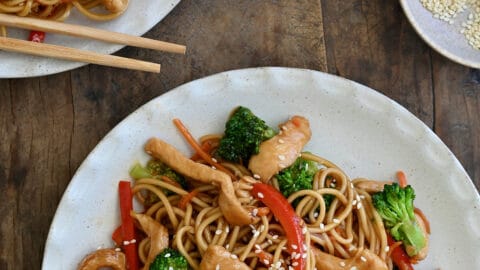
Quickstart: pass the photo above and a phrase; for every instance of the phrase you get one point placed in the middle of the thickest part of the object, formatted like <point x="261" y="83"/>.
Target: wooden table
<point x="49" y="124"/>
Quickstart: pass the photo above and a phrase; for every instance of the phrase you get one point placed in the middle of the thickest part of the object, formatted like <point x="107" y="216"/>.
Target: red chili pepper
<point x="399" y="256"/>
<point x="36" y="36"/>
<point x="128" y="229"/>
<point x="287" y="217"/>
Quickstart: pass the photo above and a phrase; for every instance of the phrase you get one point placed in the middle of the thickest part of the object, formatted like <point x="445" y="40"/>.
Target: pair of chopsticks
<point x="72" y="54"/>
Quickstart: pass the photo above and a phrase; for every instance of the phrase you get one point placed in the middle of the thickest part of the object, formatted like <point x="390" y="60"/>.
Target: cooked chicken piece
<point x="372" y="186"/>
<point x="422" y="254"/>
<point x="115" y="6"/>
<point x="217" y="257"/>
<point x="157" y="233"/>
<point x="366" y="260"/>
<point x="281" y="150"/>
<point x="231" y="207"/>
<point x="103" y="258"/>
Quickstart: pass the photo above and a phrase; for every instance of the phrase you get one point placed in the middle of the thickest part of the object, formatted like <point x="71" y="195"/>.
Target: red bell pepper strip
<point x="36" y="36"/>
<point x="399" y="256"/>
<point x="290" y="221"/>
<point x="128" y="228"/>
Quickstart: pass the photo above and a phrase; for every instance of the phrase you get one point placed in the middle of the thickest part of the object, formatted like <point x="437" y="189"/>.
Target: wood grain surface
<point x="49" y="124"/>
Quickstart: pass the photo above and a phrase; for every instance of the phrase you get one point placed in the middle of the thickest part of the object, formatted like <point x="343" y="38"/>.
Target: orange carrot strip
<point x="402" y="179"/>
<point x="263" y="211"/>
<point x="194" y="144"/>
<point x="206" y="147"/>
<point x="185" y="200"/>
<point x="265" y="258"/>
<point x="424" y="218"/>
<point x="170" y="181"/>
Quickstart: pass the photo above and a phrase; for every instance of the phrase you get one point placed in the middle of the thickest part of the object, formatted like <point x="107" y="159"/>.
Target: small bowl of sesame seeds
<point x="451" y="27"/>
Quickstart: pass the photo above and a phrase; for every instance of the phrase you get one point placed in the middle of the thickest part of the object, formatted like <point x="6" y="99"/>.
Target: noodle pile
<point x="349" y="226"/>
<point x="59" y="10"/>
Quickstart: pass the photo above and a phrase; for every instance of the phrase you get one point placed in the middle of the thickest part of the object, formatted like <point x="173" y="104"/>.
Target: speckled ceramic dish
<point x="140" y="16"/>
<point x="362" y="131"/>
<point x="443" y="37"/>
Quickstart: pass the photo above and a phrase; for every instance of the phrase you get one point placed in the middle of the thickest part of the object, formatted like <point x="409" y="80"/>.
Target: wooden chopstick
<point x="66" y="53"/>
<point x="88" y="32"/>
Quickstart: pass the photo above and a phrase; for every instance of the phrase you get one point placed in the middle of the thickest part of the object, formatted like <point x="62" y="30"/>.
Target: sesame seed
<point x="126" y="243"/>
<point x="315" y="215"/>
<point x="342" y="264"/>
<point x="359" y="205"/>
<point x="304" y="255"/>
<point x="322" y="226"/>
<point x="354" y="202"/>
<point x="133" y="241"/>
<point x="294" y="263"/>
<point x="258" y="251"/>
<point x="257" y="246"/>
<point x="297" y="256"/>
<point x="217" y="267"/>
<point x="363" y="259"/>
<point x="270" y="242"/>
<point x="227" y="229"/>
<point x="294" y="246"/>
<point x="336" y="221"/>
<point x="281" y="141"/>
<point x="278" y="264"/>
<point x="214" y="160"/>
<point x="256" y="176"/>
<point x="118" y="249"/>
<point x="227" y="246"/>
<point x="170" y="268"/>
<point x="353" y="268"/>
<point x="284" y="128"/>
<point x="351" y="248"/>
<point x="256" y="234"/>
<point x="218" y="232"/>
<point x="281" y="157"/>
<point x="387" y="248"/>
<point x="168" y="255"/>
<point x="266" y="262"/>
<point x="275" y="236"/>
<point x="213" y="167"/>
<point x="233" y="256"/>
<point x="260" y="195"/>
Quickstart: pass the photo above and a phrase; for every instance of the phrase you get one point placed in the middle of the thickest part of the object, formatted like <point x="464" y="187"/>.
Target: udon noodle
<point x="59" y="10"/>
<point x="349" y="226"/>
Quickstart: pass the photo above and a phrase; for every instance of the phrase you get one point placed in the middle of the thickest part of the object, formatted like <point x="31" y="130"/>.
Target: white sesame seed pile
<point x="447" y="10"/>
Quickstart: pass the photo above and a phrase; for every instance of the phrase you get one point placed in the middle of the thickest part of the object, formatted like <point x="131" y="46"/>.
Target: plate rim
<point x="255" y="70"/>
<point x="109" y="50"/>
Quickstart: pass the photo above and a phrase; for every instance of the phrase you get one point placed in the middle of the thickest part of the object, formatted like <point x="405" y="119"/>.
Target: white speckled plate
<point x="364" y="132"/>
<point x="443" y="37"/>
<point x="140" y="16"/>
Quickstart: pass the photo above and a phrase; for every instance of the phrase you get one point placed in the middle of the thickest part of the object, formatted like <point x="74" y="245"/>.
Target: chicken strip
<point x="366" y="260"/>
<point x="217" y="257"/>
<point x="104" y="258"/>
<point x="281" y="150"/>
<point x="229" y="204"/>
<point x="157" y="233"/>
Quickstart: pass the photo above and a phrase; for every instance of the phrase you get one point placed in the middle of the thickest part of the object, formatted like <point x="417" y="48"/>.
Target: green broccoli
<point x="299" y="176"/>
<point x="155" y="169"/>
<point x="244" y="132"/>
<point x="395" y="206"/>
<point x="169" y="259"/>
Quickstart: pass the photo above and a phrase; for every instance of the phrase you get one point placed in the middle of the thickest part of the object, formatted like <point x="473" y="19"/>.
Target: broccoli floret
<point x="156" y="169"/>
<point x="244" y="132"/>
<point x="299" y="176"/>
<point x="395" y="206"/>
<point x="169" y="259"/>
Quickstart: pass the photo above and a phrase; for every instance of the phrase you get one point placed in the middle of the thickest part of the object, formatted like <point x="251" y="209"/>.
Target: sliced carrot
<point x="186" y="199"/>
<point x="402" y="179"/>
<point x="117" y="236"/>
<point x="263" y="211"/>
<point x="170" y="181"/>
<point x="206" y="146"/>
<point x="194" y="144"/>
<point x="265" y="258"/>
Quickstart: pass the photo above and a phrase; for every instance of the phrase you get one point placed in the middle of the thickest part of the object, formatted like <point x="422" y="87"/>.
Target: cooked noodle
<point x="350" y="225"/>
<point x="59" y="10"/>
